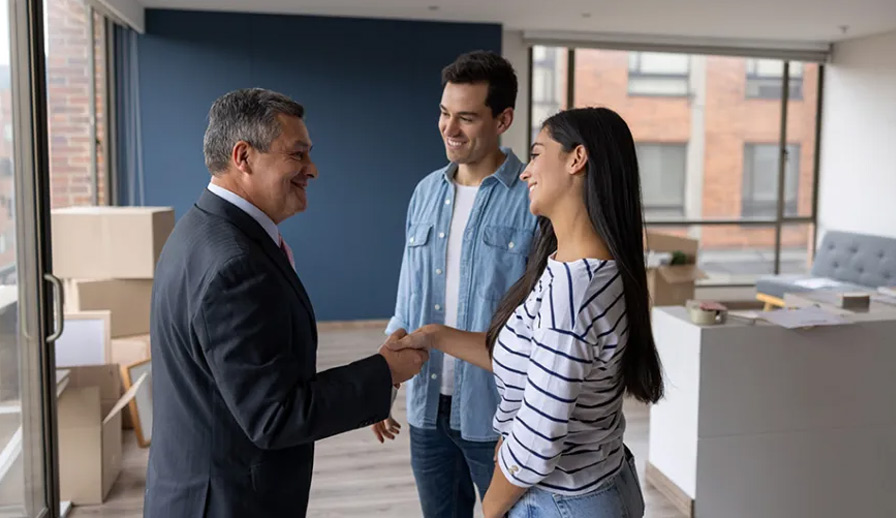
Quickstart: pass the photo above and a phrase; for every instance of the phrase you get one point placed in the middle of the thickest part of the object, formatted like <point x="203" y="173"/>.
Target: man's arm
<point x="244" y="329"/>
<point x="400" y="319"/>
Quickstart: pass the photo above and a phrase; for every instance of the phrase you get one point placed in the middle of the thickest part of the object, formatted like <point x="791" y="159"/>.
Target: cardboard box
<point x="673" y="285"/>
<point x="131" y="349"/>
<point x="109" y="242"/>
<point x="89" y="414"/>
<point x="128" y="301"/>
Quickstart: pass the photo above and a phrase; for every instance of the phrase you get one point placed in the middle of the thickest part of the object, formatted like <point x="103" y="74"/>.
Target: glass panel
<point x="765" y="79"/>
<point x="759" y="193"/>
<point x="69" y="78"/>
<point x="797" y="247"/>
<point x="663" y="170"/>
<point x="802" y="116"/>
<point x="22" y="482"/>
<point x="658" y="73"/>
<point x="549" y="65"/>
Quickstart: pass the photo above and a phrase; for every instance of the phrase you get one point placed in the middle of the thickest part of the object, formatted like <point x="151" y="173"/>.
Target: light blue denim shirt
<point x="495" y="247"/>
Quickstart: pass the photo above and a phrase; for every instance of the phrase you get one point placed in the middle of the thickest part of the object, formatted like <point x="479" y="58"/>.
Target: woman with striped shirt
<point x="573" y="335"/>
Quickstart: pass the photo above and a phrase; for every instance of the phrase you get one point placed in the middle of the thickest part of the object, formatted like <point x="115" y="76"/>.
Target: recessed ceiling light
<point x="433" y="8"/>
<point x="586" y="15"/>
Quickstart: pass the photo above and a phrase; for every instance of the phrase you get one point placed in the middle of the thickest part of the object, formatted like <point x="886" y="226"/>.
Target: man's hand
<point x="404" y="363"/>
<point x="388" y="429"/>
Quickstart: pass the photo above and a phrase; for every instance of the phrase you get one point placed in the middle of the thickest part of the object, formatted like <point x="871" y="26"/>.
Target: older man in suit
<point x="238" y="401"/>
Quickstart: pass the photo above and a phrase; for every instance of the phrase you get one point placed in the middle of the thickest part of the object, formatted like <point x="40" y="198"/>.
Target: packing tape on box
<point x="703" y="316"/>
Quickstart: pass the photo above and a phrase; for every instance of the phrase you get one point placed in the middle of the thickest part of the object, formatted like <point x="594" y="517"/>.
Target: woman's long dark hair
<point x="613" y="202"/>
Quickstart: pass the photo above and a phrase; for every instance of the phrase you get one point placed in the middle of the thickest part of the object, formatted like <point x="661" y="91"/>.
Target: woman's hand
<point x="423" y="338"/>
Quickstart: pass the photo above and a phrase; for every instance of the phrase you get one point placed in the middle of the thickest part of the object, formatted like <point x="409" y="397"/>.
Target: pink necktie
<point x="288" y="252"/>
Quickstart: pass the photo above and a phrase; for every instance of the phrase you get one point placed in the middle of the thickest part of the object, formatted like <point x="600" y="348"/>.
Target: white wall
<point x="130" y="12"/>
<point x="857" y="190"/>
<point x="515" y="50"/>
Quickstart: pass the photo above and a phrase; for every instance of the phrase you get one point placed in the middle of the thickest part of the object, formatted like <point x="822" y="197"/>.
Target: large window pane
<point x="663" y="168"/>
<point x="759" y="193"/>
<point x="658" y="73"/>
<point x="765" y="79"/>
<point x="22" y="448"/>
<point x="72" y="82"/>
<point x="802" y="115"/>
<point x="549" y="84"/>
<point x="797" y="247"/>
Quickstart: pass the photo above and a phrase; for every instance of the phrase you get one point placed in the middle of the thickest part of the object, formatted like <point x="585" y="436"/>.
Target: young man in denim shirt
<point x="469" y="230"/>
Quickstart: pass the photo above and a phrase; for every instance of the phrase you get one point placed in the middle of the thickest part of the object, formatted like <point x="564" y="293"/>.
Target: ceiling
<point x="786" y="20"/>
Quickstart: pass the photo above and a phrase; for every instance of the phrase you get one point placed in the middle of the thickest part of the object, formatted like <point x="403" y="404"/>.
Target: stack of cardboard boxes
<point x="106" y="257"/>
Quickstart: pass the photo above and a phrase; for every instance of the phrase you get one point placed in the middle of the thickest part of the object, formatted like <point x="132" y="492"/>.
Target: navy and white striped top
<point x="558" y="370"/>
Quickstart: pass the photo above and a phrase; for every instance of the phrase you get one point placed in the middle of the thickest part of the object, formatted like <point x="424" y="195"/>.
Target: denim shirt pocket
<point x="506" y="249"/>
<point x="419" y="259"/>
<point x="418" y="234"/>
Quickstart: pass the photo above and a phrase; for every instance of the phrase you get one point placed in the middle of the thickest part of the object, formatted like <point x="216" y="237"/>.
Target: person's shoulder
<point x="583" y="278"/>
<point x="432" y="179"/>
<point x="209" y="242"/>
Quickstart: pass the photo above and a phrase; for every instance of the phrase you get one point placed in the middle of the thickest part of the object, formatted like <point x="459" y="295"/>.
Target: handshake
<point x="406" y="353"/>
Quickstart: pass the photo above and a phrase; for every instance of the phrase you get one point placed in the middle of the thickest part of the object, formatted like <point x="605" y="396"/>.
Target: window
<point x="658" y="73"/>
<point x="663" y="169"/>
<point x="765" y="79"/>
<point x="76" y="71"/>
<point x="544" y="68"/>
<point x="709" y="154"/>
<point x="760" y="185"/>
<point x="548" y="84"/>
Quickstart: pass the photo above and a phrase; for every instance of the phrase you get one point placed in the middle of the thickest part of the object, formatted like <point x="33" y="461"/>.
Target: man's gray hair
<point x="249" y="115"/>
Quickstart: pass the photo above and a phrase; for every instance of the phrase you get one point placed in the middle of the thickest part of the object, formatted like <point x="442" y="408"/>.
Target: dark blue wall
<point x="371" y="89"/>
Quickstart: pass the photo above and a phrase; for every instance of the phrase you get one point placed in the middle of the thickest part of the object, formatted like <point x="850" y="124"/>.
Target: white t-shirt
<point x="464" y="198"/>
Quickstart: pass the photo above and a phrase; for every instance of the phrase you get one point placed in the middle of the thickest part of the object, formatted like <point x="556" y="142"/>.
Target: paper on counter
<point x="803" y="317"/>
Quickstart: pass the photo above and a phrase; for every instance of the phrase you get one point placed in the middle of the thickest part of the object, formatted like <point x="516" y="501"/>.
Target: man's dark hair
<point x="485" y="67"/>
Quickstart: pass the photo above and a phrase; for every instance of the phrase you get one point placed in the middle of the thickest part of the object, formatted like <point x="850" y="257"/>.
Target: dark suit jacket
<point x="237" y="400"/>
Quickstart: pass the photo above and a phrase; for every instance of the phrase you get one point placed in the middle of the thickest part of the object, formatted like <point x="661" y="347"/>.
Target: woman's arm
<point x="464" y="345"/>
<point x="501" y="496"/>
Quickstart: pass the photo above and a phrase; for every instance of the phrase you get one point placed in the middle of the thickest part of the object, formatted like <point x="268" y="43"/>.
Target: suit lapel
<point x="212" y="203"/>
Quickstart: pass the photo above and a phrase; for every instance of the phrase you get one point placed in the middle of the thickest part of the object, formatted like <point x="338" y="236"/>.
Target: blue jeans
<point x="446" y="466"/>
<point x="619" y="497"/>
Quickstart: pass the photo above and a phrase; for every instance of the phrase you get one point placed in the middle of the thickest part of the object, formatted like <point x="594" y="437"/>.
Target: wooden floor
<point x="354" y="475"/>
